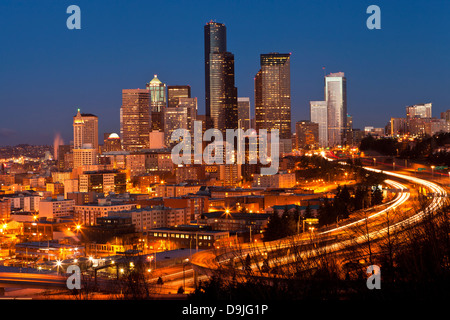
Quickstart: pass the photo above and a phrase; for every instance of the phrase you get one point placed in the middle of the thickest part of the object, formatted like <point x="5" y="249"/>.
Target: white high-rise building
<point x="318" y="114"/>
<point x="336" y="98"/>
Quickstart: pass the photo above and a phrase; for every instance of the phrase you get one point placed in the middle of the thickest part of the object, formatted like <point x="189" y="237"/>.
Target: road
<point x="372" y="222"/>
<point x="334" y="238"/>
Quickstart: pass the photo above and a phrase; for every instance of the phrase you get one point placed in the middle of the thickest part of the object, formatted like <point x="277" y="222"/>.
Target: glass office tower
<point x="273" y="96"/>
<point x="174" y="93"/>
<point x="336" y="98"/>
<point x="318" y="114"/>
<point x="244" y="113"/>
<point x="135" y="119"/>
<point x="220" y="90"/>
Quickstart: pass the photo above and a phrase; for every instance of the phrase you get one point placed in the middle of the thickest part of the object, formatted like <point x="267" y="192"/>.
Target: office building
<point x="307" y="134"/>
<point x="319" y="115"/>
<point x="174" y="93"/>
<point x="87" y="214"/>
<point x="180" y="117"/>
<point x="398" y="126"/>
<point x="220" y="90"/>
<point x="427" y="126"/>
<point x="102" y="181"/>
<point x="64" y="153"/>
<point x="85" y="130"/>
<point x="273" y="97"/>
<point x="135" y="119"/>
<point x="446" y="115"/>
<point x="158" y="103"/>
<point x="244" y="113"/>
<point x="418" y="111"/>
<point x="336" y="98"/>
<point x="56" y="208"/>
<point x="160" y="216"/>
<point x="84" y="156"/>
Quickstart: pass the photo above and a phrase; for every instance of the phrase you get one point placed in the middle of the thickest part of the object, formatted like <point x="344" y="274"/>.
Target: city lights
<point x="197" y="162"/>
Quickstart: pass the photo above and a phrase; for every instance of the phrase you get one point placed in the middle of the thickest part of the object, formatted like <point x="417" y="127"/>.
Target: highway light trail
<point x="437" y="202"/>
<point x="401" y="197"/>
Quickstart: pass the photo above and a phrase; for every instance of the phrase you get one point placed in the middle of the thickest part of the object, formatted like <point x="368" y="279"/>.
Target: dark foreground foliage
<point x="415" y="264"/>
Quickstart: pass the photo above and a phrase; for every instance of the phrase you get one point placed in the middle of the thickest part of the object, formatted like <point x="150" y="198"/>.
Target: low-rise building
<point x="187" y="236"/>
<point x="237" y="221"/>
<point x="87" y="214"/>
<point x="56" y="208"/>
<point x="279" y="180"/>
<point x="159" y="216"/>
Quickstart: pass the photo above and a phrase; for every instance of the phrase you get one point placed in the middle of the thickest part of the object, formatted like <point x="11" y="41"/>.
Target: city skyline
<point x="224" y="151"/>
<point x="95" y="85"/>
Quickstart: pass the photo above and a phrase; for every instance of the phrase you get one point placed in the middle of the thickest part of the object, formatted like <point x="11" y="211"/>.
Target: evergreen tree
<point x="272" y="231"/>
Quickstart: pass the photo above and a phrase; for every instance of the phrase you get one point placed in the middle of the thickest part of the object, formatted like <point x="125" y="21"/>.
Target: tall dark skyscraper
<point x="220" y="90"/>
<point x="273" y="96"/>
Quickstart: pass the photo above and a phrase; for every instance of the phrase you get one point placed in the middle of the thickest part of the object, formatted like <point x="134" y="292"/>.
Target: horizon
<point x="62" y="70"/>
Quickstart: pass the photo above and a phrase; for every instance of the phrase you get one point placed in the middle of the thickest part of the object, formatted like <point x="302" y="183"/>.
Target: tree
<point x="288" y="224"/>
<point x="272" y="231"/>
<point x="377" y="197"/>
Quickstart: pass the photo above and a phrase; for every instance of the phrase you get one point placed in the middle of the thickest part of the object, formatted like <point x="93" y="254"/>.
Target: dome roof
<point x="113" y="136"/>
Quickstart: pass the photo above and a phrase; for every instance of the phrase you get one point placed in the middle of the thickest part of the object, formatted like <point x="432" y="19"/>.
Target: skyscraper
<point x="220" y="90"/>
<point x="135" y="119"/>
<point x="307" y="133"/>
<point x="336" y="98"/>
<point x="78" y="131"/>
<point x="273" y="96"/>
<point x="85" y="126"/>
<point x="174" y="93"/>
<point x="158" y="103"/>
<point x="318" y="114"/>
<point x="244" y="113"/>
<point x="180" y="117"/>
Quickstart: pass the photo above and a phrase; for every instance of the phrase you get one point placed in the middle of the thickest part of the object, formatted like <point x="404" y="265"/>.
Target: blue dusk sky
<point x="48" y="71"/>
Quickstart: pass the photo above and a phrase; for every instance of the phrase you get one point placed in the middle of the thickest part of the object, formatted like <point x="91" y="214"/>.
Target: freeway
<point x="209" y="262"/>
<point x="31" y="280"/>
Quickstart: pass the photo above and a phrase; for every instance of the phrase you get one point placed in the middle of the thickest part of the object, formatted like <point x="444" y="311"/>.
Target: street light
<point x="432" y="171"/>
<point x="184" y="277"/>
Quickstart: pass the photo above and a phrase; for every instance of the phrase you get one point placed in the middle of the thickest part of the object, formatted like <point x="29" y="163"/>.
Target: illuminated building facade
<point x="244" y="113"/>
<point x="220" y="90"/>
<point x="318" y="114"/>
<point x="158" y="103"/>
<point x="273" y="97"/>
<point x="307" y="134"/>
<point x="336" y="98"/>
<point x="174" y="93"/>
<point x="135" y="119"/>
